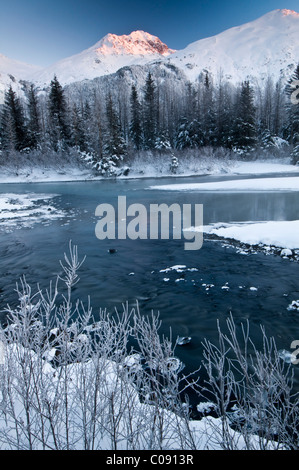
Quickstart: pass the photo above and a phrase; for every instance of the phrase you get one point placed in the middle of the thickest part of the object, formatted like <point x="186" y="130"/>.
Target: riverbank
<point x="70" y="173"/>
<point x="281" y="234"/>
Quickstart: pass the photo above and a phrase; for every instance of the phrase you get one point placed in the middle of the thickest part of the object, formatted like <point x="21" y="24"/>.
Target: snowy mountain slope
<point x="167" y="76"/>
<point x="268" y="46"/>
<point x="11" y="71"/>
<point x="106" y="57"/>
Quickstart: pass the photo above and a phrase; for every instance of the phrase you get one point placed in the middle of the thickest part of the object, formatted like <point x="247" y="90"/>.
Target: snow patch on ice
<point x="281" y="234"/>
<point x="243" y="185"/>
<point x="178" y="268"/>
<point x="294" y="305"/>
<point x="24" y="210"/>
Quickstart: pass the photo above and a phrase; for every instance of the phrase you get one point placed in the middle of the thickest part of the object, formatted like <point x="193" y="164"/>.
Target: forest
<point x="106" y="121"/>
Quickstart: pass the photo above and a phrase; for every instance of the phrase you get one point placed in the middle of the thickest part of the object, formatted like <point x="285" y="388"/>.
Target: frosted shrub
<point x="259" y="383"/>
<point x="69" y="381"/>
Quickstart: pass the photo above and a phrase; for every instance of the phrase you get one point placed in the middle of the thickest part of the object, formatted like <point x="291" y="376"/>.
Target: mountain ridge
<point x="267" y="46"/>
<point x="12" y="71"/>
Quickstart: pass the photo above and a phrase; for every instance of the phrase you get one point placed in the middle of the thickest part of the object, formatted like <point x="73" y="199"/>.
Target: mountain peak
<point x="267" y="46"/>
<point x="135" y="43"/>
<point x="279" y="14"/>
<point x="263" y="48"/>
<point x="286" y="12"/>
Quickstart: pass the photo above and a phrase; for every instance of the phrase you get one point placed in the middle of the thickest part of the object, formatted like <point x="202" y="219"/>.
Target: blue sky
<point x="41" y="33"/>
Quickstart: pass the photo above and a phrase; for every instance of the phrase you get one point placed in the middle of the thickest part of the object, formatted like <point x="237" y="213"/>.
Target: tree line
<point x="245" y="119"/>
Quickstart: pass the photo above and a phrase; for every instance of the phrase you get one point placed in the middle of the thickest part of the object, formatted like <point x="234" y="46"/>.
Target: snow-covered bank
<point x="253" y="184"/>
<point x="145" y="170"/>
<point x="140" y="168"/>
<point x="135" y="418"/>
<point x="206" y="434"/>
<point x="46" y="175"/>
<point x="261" y="167"/>
<point x="281" y="234"/>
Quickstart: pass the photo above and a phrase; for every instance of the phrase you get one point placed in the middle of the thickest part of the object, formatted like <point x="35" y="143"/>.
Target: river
<point x="217" y="280"/>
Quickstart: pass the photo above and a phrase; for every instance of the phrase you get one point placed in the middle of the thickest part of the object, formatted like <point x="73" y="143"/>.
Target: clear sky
<point x="42" y="32"/>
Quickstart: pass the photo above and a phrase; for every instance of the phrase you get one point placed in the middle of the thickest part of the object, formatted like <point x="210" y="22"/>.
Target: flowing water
<point x="215" y="282"/>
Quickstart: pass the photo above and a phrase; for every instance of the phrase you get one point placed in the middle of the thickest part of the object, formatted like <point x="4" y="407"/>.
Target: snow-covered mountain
<point x="105" y="57"/>
<point x="11" y="71"/>
<point x="268" y="46"/>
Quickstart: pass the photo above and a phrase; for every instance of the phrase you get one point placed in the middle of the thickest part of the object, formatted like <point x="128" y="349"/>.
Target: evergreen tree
<point x="14" y="134"/>
<point x="150" y="113"/>
<point x="87" y="127"/>
<point x="34" y="127"/>
<point x="292" y="130"/>
<point x="189" y="135"/>
<point x="208" y="121"/>
<point x="183" y="139"/>
<point x="135" y="124"/>
<point x="191" y="111"/>
<point x="295" y="155"/>
<point x="115" y="146"/>
<point x="223" y="116"/>
<point x="59" y="128"/>
<point x="77" y="130"/>
<point x="245" y="123"/>
<point x="267" y="142"/>
<point x="162" y="142"/>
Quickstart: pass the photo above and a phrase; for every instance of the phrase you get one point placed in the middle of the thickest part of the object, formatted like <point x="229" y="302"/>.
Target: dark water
<point x="185" y="306"/>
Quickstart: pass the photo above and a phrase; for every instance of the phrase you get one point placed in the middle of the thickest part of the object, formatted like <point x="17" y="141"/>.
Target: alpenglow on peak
<point x="286" y="12"/>
<point x="135" y="43"/>
<point x="265" y="47"/>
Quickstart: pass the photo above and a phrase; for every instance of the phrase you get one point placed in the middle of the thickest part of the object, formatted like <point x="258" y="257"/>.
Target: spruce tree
<point x="14" y="134"/>
<point x="77" y="130"/>
<point x="244" y="135"/>
<point x="208" y="121"/>
<point x="189" y="135"/>
<point x="115" y="146"/>
<point x="89" y="129"/>
<point x="192" y="110"/>
<point x="150" y="113"/>
<point x="34" y="127"/>
<point x="135" y="124"/>
<point x="292" y="133"/>
<point x="59" y="128"/>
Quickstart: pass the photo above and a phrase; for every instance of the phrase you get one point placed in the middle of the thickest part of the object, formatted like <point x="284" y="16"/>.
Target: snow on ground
<point x="45" y="175"/>
<point x="135" y="419"/>
<point x="259" y="167"/>
<point x="144" y="169"/>
<point x="265" y="47"/>
<point x="253" y="184"/>
<point x="282" y="234"/>
<point x="209" y="166"/>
